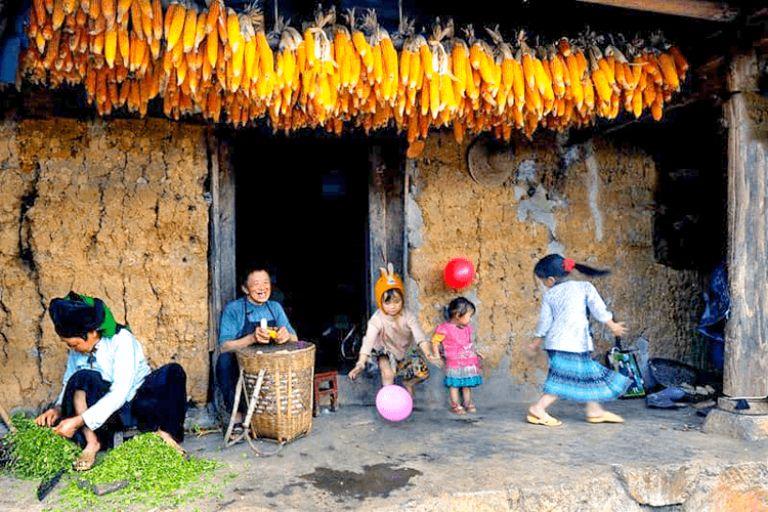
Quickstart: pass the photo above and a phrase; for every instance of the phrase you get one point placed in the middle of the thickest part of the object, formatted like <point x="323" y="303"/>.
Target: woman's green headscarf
<point x="77" y="314"/>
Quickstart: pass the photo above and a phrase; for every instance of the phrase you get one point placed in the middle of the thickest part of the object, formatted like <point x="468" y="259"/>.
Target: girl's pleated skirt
<point x="575" y="376"/>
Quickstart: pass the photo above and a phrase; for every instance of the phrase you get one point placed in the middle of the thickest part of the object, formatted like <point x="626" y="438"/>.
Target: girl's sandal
<point x="547" y="421"/>
<point x="457" y="409"/>
<point x="606" y="417"/>
<point x="85" y="461"/>
<point x="470" y="407"/>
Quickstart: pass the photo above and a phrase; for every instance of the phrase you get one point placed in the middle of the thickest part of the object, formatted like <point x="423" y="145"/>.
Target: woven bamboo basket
<point x="284" y="406"/>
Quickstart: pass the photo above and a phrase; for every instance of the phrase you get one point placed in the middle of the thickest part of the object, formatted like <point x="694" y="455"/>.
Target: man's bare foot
<point x="87" y="457"/>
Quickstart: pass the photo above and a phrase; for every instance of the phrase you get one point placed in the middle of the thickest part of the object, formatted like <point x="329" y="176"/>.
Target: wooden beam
<point x="699" y="9"/>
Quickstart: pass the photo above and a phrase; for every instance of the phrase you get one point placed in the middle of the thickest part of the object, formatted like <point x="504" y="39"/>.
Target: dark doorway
<point x="302" y="208"/>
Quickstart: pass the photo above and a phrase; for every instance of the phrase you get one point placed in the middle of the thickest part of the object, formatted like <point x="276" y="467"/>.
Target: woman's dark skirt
<point x="159" y="403"/>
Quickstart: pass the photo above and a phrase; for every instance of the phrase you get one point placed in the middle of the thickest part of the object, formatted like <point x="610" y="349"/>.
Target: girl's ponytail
<point x="590" y="271"/>
<point x="554" y="265"/>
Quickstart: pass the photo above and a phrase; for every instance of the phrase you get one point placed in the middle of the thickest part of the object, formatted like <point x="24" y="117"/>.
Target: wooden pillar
<point x="746" y="347"/>
<point x="743" y="411"/>
<point x="221" y="258"/>
<point x="386" y="215"/>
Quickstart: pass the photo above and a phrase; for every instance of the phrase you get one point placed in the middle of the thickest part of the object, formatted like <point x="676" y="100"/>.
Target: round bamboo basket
<point x="284" y="406"/>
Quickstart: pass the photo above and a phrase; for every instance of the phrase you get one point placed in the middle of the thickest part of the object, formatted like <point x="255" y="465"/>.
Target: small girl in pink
<point x="462" y="363"/>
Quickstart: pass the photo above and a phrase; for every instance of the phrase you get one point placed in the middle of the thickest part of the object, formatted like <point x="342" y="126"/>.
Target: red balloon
<point x="459" y="273"/>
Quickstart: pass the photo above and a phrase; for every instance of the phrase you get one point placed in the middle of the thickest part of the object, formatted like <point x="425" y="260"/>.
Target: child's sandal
<point x="470" y="407"/>
<point x="457" y="409"/>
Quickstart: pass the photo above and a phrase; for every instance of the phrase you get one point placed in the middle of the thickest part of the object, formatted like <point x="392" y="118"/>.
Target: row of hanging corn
<point x="220" y="64"/>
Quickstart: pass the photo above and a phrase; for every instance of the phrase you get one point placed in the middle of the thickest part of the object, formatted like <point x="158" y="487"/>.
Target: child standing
<point x="564" y="325"/>
<point x="462" y="362"/>
<point x="393" y="335"/>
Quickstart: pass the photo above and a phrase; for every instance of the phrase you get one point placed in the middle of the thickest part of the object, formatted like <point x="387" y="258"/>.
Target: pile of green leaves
<point x="36" y="452"/>
<point x="157" y="475"/>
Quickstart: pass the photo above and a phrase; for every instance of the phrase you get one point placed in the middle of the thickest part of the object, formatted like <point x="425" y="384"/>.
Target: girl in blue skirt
<point x="564" y="327"/>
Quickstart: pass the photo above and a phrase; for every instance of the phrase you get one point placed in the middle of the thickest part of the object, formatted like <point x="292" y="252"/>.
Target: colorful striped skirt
<point x="575" y="376"/>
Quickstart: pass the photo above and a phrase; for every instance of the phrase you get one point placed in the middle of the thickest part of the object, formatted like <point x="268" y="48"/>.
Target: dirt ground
<point x="353" y="460"/>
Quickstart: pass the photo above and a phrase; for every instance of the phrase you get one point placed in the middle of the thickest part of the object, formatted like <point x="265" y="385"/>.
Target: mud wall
<point x="593" y="202"/>
<point x="116" y="210"/>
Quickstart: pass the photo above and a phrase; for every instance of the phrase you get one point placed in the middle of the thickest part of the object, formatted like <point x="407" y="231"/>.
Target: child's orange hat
<point x="388" y="281"/>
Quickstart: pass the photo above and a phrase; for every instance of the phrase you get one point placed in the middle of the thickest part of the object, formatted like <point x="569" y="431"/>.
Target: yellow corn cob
<point x="529" y="71"/>
<point x="405" y="65"/>
<point x="378" y="65"/>
<point x="58" y="14"/>
<point x="363" y="49"/>
<point x="212" y="46"/>
<point x="415" y="71"/>
<point x="234" y="37"/>
<point x="110" y="45"/>
<point x="157" y="20"/>
<point x="389" y="56"/>
<point x="669" y="72"/>
<point x="426" y="61"/>
<point x="176" y="26"/>
<point x="589" y="92"/>
<point x="189" y="30"/>
<point x="601" y="84"/>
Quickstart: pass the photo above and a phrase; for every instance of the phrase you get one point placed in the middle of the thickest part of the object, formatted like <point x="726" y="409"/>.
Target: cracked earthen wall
<point x="593" y="201"/>
<point x="112" y="209"/>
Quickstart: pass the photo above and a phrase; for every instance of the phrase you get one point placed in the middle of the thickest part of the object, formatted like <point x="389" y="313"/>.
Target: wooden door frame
<point x="386" y="214"/>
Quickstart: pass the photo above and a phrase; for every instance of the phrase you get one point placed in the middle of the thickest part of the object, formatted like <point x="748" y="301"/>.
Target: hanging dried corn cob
<point x="218" y="60"/>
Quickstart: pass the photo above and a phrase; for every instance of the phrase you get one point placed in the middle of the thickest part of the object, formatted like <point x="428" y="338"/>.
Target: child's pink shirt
<point x="457" y="345"/>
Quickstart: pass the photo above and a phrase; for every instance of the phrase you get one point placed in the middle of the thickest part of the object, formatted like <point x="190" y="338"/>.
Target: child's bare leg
<point x="454" y="393"/>
<point x="539" y="409"/>
<point x="594" y="409"/>
<point x="387" y="374"/>
<point x="410" y="384"/>
<point x="466" y="395"/>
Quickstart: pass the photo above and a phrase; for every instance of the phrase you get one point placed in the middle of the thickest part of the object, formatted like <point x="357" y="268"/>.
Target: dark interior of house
<point x="302" y="210"/>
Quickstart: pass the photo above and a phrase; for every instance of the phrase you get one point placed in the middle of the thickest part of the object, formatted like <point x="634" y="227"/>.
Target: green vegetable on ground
<point x="36" y="452"/>
<point x="157" y="475"/>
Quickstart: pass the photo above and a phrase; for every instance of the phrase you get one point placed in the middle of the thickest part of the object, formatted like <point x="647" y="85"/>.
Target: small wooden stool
<point x="332" y="390"/>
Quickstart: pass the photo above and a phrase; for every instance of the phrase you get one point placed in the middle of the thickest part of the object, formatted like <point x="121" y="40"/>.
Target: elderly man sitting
<point x="251" y="319"/>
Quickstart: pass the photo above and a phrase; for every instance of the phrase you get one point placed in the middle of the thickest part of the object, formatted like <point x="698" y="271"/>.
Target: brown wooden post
<point x="222" y="271"/>
<point x="221" y="260"/>
<point x="743" y="411"/>
<point x="386" y="215"/>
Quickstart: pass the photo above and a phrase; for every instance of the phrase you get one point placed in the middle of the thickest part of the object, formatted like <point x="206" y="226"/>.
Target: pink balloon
<point x="394" y="403"/>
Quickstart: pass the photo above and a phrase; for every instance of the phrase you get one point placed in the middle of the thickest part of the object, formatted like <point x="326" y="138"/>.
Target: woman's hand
<point x="617" y="328"/>
<point x="69" y="426"/>
<point x="282" y="336"/>
<point x="261" y="336"/>
<point x="355" y="372"/>
<point x="48" y="418"/>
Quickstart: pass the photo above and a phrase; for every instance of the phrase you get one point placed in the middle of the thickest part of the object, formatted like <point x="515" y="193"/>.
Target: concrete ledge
<point x="741" y="426"/>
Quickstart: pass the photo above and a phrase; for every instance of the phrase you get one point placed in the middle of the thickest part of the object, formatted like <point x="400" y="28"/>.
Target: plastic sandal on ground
<point x="548" y="421"/>
<point x="606" y="417"/>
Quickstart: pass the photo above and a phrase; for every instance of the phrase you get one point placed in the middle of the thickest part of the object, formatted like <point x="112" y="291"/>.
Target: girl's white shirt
<point x="563" y="321"/>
